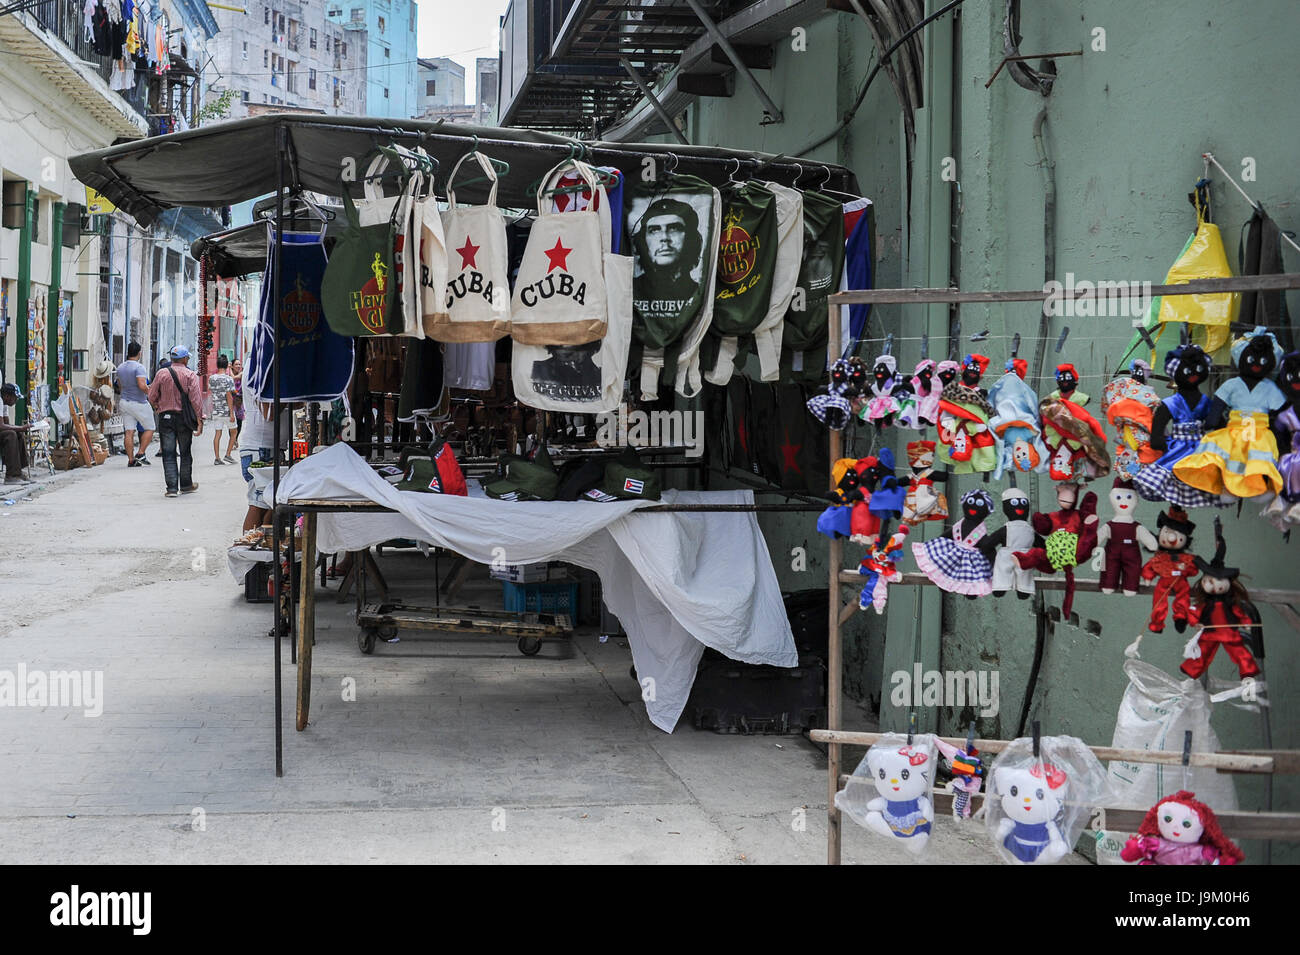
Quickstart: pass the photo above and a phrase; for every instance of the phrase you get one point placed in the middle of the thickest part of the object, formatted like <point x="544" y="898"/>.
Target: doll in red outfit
<point x="1178" y="830"/>
<point x="1069" y="537"/>
<point x="1221" y="609"/>
<point x="1172" y="568"/>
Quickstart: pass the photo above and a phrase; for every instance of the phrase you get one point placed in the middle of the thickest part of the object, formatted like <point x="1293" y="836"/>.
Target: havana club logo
<point x="300" y="309"/>
<point x="370" y="303"/>
<point x="736" y="252"/>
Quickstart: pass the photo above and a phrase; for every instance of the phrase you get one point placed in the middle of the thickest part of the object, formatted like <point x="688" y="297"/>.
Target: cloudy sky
<point x="462" y="30"/>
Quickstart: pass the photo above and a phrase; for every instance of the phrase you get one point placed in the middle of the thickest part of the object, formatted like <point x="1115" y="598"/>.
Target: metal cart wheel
<point x="530" y="646"/>
<point x="388" y="632"/>
<point x="366" y="639"/>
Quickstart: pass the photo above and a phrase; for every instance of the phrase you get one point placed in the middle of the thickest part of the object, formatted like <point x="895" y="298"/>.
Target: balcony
<point x="50" y="36"/>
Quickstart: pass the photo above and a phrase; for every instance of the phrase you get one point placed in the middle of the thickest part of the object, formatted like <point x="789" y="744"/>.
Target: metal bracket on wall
<point x="772" y="111"/>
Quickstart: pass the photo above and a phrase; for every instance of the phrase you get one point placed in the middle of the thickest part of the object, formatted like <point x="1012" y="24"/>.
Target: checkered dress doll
<point x="1176" y="429"/>
<point x="954" y="563"/>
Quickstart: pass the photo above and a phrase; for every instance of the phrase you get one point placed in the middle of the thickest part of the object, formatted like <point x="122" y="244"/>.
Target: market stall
<point x="675" y="198"/>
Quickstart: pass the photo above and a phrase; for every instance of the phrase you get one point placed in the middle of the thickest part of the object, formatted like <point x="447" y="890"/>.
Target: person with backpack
<point x="175" y="395"/>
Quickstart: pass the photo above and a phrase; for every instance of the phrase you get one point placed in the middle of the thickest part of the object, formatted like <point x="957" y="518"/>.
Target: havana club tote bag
<point x="560" y="289"/>
<point x="357" y="290"/>
<point x="374" y="209"/>
<point x="588" y="378"/>
<point x="478" y="284"/>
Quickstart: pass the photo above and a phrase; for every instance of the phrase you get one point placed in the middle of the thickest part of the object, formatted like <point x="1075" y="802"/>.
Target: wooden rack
<point x="1284" y="826"/>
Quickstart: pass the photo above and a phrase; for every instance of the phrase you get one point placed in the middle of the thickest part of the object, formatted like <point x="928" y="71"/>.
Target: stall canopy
<point x="235" y="161"/>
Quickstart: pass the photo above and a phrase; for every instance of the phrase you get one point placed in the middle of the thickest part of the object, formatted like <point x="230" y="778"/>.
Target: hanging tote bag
<point x="560" y="289"/>
<point x="357" y="289"/>
<point x="820" y="268"/>
<point x="375" y="208"/>
<point x="478" y="284"/>
<point x="785" y="276"/>
<point x="429" y="255"/>
<point x="587" y="378"/>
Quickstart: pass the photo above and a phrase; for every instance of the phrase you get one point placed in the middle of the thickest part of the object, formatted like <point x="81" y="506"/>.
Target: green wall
<point x="1126" y="129"/>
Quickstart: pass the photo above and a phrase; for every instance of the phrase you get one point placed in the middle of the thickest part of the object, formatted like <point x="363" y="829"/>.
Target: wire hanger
<point x="825" y="186"/>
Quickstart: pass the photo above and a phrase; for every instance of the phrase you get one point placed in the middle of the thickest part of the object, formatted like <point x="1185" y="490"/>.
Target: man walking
<point x="222" y="420"/>
<point x="167" y="394"/>
<point x="133" y="406"/>
<point x="13" y="438"/>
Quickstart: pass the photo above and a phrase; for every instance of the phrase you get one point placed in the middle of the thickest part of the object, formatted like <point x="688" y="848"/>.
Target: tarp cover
<point x="678" y="581"/>
<point x="230" y="162"/>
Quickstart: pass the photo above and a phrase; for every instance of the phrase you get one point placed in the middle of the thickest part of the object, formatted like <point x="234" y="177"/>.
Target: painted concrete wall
<point x="1126" y="129"/>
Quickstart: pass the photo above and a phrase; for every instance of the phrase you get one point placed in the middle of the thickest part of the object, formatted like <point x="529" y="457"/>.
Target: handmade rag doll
<point x="1240" y="455"/>
<point x="1176" y="430"/>
<point x="1128" y="403"/>
<point x="1179" y="830"/>
<point x="836" y="521"/>
<point x="954" y="563"/>
<point x="927" y="391"/>
<point x="923" y="502"/>
<point x="1076" y="443"/>
<point x="967" y="774"/>
<point x="1172" y="568"/>
<point x="847" y="381"/>
<point x="880" y="568"/>
<point x="1015" y="423"/>
<point x="882" y="407"/>
<point x="901" y="773"/>
<point x="1221" y="608"/>
<point x="1120" y="541"/>
<point x="966" y="443"/>
<point x="1069" y="538"/>
<point x="1039" y="797"/>
<point x="1284" y="509"/>
<point x="1000" y="547"/>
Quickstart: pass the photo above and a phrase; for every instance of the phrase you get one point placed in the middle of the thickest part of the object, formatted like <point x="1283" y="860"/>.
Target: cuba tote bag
<point x="478" y="284"/>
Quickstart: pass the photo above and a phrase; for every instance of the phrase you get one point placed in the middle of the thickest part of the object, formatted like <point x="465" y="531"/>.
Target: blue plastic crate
<point x="543" y="597"/>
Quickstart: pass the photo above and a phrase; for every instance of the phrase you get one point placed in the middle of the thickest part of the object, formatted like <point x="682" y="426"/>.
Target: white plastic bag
<point x="890" y="793"/>
<point x="61" y="411"/>
<point x="1036" y="806"/>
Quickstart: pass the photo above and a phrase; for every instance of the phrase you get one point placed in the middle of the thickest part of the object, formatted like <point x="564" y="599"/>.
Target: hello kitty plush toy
<point x="1031" y="799"/>
<point x="902" y="774"/>
<point x="1120" y="541"/>
<point x="1178" y="830"/>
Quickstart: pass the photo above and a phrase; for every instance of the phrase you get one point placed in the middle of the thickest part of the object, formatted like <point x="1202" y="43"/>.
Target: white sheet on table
<point x="678" y="582"/>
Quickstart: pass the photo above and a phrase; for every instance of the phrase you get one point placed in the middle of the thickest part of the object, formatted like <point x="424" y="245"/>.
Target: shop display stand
<point x="1245" y="825"/>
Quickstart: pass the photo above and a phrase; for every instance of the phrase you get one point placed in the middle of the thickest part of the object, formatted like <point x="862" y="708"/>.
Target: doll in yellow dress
<point x="1238" y="453"/>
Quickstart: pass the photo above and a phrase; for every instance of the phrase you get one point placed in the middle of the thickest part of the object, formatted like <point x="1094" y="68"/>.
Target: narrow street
<point x="456" y="751"/>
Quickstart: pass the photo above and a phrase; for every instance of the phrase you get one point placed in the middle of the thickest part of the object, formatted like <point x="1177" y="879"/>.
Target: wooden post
<point x="306" y="617"/>
<point x="834" y="656"/>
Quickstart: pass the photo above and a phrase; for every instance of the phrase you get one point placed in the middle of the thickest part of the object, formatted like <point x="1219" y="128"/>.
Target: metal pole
<point x="653" y="100"/>
<point x="281" y="135"/>
<point x="712" y="28"/>
<point x="52" y="303"/>
<point x="21" y="311"/>
<point x="834" y="655"/>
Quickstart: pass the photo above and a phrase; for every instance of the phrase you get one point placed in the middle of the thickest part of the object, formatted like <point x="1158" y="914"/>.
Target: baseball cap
<point x="524" y="480"/>
<point x="180" y="353"/>
<point x="626" y="479"/>
<point x="580" y="476"/>
<point x="10" y="388"/>
<point x="438" y="473"/>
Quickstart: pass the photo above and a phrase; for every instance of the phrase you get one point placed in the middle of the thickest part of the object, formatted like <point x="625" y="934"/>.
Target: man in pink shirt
<point x="165" y="394"/>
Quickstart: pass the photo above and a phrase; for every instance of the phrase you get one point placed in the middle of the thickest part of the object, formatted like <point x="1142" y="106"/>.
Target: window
<point x="266" y="58"/>
<point x="311" y="79"/>
<point x="381" y="24"/>
<point x="344" y="45"/>
<point x="244" y="96"/>
<point x="430" y="87"/>
<point x="335" y="12"/>
<point x="245" y="53"/>
<point x="327" y="44"/>
<point x="387" y="53"/>
<point x="266" y="15"/>
<point x="385" y="92"/>
<point x="311" y="40"/>
<point x="264" y="98"/>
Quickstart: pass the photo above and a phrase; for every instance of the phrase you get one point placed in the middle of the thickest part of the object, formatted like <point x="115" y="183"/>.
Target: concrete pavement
<point x="452" y="751"/>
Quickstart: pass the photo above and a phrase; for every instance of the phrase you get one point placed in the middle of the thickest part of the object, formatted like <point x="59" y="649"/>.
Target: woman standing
<point x="237" y="396"/>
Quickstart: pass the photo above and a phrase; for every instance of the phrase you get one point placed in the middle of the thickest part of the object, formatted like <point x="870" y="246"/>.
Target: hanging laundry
<point x="102" y="32"/>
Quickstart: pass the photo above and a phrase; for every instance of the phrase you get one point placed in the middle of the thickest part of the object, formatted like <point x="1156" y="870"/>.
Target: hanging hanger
<point x="825" y="187"/>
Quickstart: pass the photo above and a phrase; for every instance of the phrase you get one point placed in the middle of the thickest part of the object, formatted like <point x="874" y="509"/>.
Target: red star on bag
<point x="467" y="253"/>
<point x="559" y="257"/>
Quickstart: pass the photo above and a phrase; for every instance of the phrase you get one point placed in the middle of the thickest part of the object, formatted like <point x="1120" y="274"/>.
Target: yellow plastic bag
<point x="1211" y="315"/>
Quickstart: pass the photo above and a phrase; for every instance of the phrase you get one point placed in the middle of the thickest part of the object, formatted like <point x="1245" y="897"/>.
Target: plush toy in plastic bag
<point x="889" y="792"/>
<point x="1179" y="830"/>
<point x="1037" y="806"/>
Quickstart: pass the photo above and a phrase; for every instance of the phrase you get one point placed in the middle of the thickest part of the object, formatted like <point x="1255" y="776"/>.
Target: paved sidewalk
<point x="459" y="750"/>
